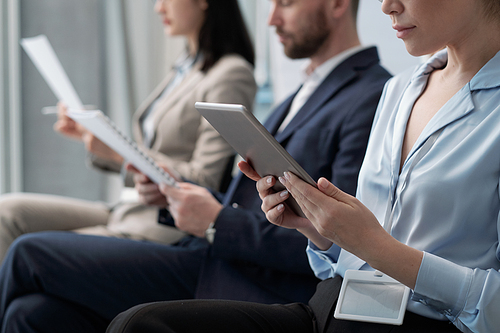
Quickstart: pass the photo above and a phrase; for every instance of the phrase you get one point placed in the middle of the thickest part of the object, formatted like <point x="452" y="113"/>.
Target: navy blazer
<point x="254" y="260"/>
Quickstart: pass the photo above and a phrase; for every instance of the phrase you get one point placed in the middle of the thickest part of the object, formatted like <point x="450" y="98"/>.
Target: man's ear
<point x="338" y="8"/>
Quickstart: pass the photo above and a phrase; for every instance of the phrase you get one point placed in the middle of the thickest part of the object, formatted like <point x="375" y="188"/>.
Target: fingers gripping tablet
<point x="253" y="142"/>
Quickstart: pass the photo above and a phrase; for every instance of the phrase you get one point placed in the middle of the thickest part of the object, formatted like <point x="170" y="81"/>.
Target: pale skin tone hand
<point x="71" y="129"/>
<point x="277" y="212"/>
<point x="67" y="126"/>
<point x="193" y="207"/>
<point x="149" y="192"/>
<point x="338" y="218"/>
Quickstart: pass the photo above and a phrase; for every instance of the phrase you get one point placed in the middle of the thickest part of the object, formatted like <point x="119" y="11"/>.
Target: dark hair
<point x="492" y="9"/>
<point x="223" y="32"/>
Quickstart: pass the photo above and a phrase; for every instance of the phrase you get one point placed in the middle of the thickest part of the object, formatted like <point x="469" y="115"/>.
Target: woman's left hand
<point x="345" y="221"/>
<point x="336" y="215"/>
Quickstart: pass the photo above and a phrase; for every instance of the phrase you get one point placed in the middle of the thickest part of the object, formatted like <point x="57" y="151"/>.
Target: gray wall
<point x="53" y="164"/>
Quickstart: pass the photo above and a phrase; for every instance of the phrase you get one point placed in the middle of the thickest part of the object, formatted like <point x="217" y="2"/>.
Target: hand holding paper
<point x="105" y="130"/>
<point x="67" y="126"/>
<point x="43" y="56"/>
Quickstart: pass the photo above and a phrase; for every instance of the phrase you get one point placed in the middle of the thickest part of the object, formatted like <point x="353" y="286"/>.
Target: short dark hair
<point x="224" y="32"/>
<point x="492" y="9"/>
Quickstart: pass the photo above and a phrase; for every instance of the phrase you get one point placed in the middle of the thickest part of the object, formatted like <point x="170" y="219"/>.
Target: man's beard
<point x="310" y="39"/>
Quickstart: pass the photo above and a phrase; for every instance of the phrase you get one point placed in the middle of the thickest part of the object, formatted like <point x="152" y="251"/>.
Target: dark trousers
<point x="206" y="316"/>
<point x="64" y="282"/>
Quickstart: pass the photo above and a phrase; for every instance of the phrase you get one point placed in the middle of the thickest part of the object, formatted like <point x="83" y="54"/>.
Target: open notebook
<point x="43" y="56"/>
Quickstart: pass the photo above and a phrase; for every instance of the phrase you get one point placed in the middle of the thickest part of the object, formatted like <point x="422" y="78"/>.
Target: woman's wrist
<point x="397" y="260"/>
<point x="313" y="235"/>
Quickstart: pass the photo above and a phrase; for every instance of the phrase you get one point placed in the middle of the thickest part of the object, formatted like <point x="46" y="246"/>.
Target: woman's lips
<point x="403" y="31"/>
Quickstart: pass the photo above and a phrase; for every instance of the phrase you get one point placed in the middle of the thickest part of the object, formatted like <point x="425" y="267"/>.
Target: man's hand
<point x="193" y="207"/>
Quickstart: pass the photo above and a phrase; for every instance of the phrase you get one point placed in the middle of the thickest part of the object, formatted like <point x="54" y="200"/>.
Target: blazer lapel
<point x="136" y="124"/>
<point x="187" y="85"/>
<point x="334" y="82"/>
<point x="274" y="121"/>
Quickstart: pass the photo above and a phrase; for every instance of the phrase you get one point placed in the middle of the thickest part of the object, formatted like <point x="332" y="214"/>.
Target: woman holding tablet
<point x="216" y="66"/>
<point x="427" y="207"/>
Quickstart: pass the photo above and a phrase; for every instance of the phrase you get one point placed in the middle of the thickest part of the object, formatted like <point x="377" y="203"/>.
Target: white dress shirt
<point x="449" y="204"/>
<point x="313" y="79"/>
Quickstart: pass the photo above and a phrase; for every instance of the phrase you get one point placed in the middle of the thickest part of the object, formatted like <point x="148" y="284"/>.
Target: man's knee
<point x="20" y="314"/>
<point x="45" y="314"/>
<point x="27" y="243"/>
<point x="26" y="251"/>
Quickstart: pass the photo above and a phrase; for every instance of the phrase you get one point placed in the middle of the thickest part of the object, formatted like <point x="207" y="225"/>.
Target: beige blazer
<point x="183" y="139"/>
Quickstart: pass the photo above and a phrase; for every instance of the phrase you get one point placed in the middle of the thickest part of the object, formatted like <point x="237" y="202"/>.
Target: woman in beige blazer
<point x="216" y="67"/>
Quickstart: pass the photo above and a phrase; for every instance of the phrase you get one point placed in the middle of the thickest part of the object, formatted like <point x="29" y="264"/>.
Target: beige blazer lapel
<point x="136" y="124"/>
<point x="185" y="87"/>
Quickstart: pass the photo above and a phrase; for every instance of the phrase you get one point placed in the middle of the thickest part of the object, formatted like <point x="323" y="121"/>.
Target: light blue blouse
<point x="449" y="204"/>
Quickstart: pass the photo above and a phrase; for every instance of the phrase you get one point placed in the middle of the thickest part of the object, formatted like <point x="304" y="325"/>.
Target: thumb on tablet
<point x="248" y="171"/>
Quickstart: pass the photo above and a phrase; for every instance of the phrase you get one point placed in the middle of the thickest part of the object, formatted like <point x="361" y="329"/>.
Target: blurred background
<point x="115" y="53"/>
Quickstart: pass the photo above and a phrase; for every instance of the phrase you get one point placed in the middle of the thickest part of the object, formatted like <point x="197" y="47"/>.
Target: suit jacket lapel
<point x="337" y="79"/>
<point x="276" y="118"/>
<point x="334" y="82"/>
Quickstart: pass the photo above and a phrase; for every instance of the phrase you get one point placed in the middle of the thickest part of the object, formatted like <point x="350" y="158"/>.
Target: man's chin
<point x="296" y="54"/>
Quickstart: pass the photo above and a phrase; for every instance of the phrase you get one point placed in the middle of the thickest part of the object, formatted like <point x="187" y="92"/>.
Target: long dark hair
<point x="223" y="32"/>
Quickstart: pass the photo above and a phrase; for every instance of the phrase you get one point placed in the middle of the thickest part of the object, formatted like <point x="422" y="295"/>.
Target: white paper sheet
<point x="43" y="56"/>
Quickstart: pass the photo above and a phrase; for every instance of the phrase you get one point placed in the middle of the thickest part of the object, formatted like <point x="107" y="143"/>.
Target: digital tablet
<point x="251" y="140"/>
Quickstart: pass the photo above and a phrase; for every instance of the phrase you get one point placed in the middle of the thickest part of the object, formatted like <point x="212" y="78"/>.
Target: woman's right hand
<point x="67" y="126"/>
<point x="277" y="212"/>
<point x="273" y="204"/>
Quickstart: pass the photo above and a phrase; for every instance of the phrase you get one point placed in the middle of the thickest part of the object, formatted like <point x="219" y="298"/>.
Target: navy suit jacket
<point x="254" y="260"/>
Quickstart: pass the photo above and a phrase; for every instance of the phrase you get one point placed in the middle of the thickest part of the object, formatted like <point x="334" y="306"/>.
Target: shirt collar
<point x="486" y="78"/>
<point x="185" y="62"/>
<point x="322" y="71"/>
